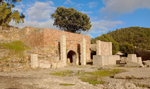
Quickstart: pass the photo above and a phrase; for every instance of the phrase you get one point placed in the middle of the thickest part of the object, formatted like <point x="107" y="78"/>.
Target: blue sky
<point x="105" y="15"/>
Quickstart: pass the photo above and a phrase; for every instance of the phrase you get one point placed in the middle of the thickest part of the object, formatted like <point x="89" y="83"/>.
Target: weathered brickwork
<point x="105" y="48"/>
<point x="51" y="38"/>
<point x="8" y="34"/>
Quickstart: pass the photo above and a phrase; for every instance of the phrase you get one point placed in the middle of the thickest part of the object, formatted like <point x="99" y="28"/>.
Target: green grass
<point x="61" y="73"/>
<point x="66" y="84"/>
<point x="140" y="85"/>
<point x="16" y="46"/>
<point x="96" y="76"/>
<point x="90" y="77"/>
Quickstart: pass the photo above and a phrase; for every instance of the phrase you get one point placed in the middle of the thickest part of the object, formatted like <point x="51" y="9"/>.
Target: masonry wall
<point x="50" y="39"/>
<point x="33" y="38"/>
<point x="105" y="48"/>
<point x="8" y="34"/>
<point x="73" y="40"/>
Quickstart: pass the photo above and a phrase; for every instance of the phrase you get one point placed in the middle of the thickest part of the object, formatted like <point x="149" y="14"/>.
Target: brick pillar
<point x="83" y="52"/>
<point x="98" y="47"/>
<point x="63" y="55"/>
<point x="110" y="46"/>
<point x="34" y="60"/>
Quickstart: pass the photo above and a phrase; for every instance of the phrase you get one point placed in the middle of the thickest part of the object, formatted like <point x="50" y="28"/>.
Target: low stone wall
<point x="41" y="63"/>
<point x="113" y="59"/>
<point x="132" y="58"/>
<point x="102" y="60"/>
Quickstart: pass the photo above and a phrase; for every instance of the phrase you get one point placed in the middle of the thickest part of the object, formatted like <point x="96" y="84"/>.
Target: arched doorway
<point x="71" y="57"/>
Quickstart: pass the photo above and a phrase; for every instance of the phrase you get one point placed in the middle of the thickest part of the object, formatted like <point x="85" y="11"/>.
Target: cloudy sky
<point x="106" y="15"/>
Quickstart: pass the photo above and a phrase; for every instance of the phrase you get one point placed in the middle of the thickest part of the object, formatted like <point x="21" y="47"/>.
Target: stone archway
<point x="72" y="57"/>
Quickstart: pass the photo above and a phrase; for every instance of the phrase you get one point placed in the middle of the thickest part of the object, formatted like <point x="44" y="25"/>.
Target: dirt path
<point x="41" y="79"/>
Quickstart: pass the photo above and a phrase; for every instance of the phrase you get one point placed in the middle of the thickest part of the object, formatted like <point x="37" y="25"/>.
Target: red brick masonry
<point x="50" y="37"/>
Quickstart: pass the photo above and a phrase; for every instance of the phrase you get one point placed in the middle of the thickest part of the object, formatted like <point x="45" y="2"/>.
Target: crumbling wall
<point x="50" y="38"/>
<point x="73" y="40"/>
<point x="105" y="48"/>
<point x="8" y="34"/>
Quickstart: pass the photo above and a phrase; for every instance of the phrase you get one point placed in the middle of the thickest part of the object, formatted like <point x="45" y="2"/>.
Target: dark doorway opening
<point x="71" y="56"/>
<point x="92" y="54"/>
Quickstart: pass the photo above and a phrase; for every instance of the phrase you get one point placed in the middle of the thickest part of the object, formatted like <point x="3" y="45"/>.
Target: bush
<point x="127" y="48"/>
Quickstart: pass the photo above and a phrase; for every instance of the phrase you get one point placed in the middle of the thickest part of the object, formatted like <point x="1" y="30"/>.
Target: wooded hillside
<point x="138" y="36"/>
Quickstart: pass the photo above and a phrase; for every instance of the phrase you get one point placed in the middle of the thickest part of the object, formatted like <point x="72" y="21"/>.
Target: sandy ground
<point x="41" y="79"/>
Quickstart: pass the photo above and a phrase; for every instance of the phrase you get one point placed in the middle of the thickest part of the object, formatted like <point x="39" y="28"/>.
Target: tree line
<point x="127" y="39"/>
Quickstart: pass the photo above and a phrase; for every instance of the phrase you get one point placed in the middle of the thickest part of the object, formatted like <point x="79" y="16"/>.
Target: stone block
<point x="139" y="60"/>
<point x="44" y="65"/>
<point x="54" y="65"/>
<point x="132" y="64"/>
<point x="132" y="57"/>
<point x="60" y="65"/>
<point x="113" y="59"/>
<point x="34" y="60"/>
<point x="100" y="60"/>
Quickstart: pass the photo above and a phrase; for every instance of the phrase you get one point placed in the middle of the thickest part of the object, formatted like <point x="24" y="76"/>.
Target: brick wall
<point x="105" y="48"/>
<point x="51" y="37"/>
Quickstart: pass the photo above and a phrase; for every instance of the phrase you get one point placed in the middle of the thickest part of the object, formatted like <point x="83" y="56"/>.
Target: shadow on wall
<point x="79" y="53"/>
<point x="145" y="54"/>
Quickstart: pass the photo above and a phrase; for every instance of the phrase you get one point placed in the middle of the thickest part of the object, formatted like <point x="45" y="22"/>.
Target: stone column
<point x="98" y="47"/>
<point x="63" y="55"/>
<point x="83" y="52"/>
<point x="110" y="46"/>
<point x="34" y="60"/>
<point x="1" y="28"/>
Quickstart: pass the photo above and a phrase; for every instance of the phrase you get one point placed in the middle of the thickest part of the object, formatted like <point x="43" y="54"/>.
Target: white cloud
<point x="79" y="5"/>
<point x="40" y="11"/>
<point x="46" y="24"/>
<point x="92" y="4"/>
<point x="69" y="2"/>
<point x="19" y="7"/>
<point x="36" y="12"/>
<point x="87" y="12"/>
<point x="102" y="26"/>
<point x="123" y="6"/>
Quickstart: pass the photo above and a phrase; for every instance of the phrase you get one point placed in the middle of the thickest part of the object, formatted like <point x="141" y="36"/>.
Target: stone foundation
<point x="104" y="60"/>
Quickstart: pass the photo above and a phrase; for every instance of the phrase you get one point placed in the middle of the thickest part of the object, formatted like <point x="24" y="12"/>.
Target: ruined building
<point x="55" y="48"/>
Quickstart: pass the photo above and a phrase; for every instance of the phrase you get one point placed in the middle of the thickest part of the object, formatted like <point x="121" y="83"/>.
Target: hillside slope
<point x="138" y="36"/>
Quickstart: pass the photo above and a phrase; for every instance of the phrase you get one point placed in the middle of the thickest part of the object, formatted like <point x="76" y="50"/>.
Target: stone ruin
<point x="55" y="49"/>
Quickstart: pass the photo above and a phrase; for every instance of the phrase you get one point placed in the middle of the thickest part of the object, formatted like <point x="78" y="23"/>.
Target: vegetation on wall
<point x="107" y="38"/>
<point x="16" y="46"/>
<point x="6" y="14"/>
<point x="69" y="19"/>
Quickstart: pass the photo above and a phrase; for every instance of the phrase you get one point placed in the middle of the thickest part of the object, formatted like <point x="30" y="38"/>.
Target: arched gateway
<point x="72" y="57"/>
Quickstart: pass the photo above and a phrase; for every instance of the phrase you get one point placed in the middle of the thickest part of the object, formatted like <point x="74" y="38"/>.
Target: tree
<point x="6" y="15"/>
<point x="127" y="48"/>
<point x="69" y="19"/>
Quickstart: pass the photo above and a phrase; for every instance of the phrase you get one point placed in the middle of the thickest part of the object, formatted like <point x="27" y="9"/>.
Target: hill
<point x="138" y="36"/>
